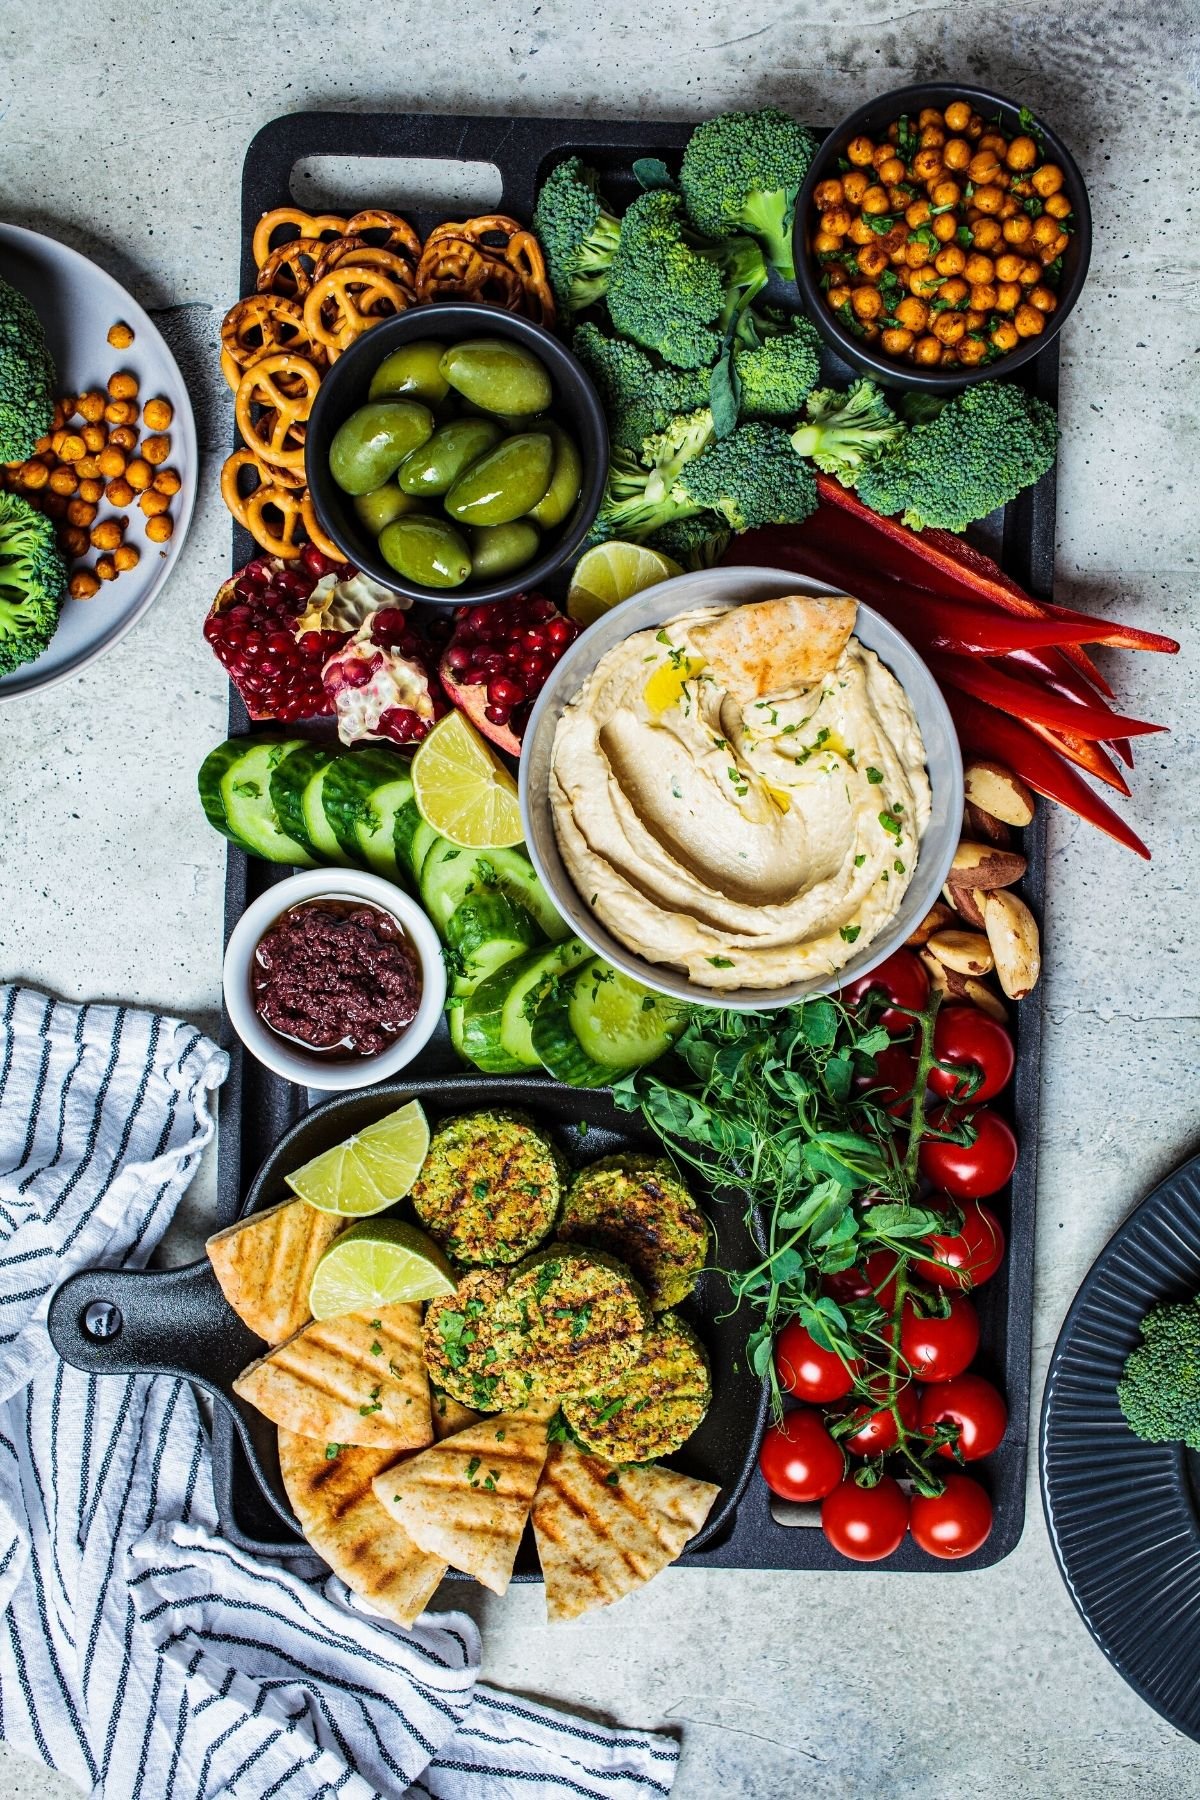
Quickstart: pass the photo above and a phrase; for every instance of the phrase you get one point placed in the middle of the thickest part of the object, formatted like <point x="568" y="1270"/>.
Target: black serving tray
<point x="257" y="1108"/>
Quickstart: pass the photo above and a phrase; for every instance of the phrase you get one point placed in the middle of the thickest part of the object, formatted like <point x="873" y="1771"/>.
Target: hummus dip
<point x="751" y="818"/>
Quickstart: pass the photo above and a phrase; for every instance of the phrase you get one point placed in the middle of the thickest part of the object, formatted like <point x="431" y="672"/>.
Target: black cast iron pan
<point x="178" y="1322"/>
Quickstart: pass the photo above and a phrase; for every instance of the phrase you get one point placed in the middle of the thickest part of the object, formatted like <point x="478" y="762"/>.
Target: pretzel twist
<point x="346" y="302"/>
<point x="308" y="225"/>
<point x="285" y="386"/>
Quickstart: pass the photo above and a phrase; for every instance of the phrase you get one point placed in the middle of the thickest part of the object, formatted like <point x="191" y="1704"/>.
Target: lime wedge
<point x="369" y="1171"/>
<point x="463" y="790"/>
<point x="381" y="1262"/>
<point x="610" y="573"/>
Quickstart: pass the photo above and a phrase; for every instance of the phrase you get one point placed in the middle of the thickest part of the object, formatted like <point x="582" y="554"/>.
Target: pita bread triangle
<point x="356" y="1379"/>
<point x="265" y="1264"/>
<point x="777" y="647"/>
<point x="344" y="1523"/>
<point x="468" y="1498"/>
<point x="449" y="1415"/>
<point x="604" y="1531"/>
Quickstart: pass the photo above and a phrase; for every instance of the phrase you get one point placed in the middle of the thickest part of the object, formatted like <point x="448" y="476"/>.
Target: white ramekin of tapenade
<point x="334" y="979"/>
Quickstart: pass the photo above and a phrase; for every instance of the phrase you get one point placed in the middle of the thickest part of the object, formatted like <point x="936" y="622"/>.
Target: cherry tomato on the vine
<point x="937" y="1349"/>
<point x="971" y="1171"/>
<point x="799" y="1460"/>
<point x="964" y="1034"/>
<point x="874" y="1280"/>
<point x="954" y="1523"/>
<point x="807" y="1370"/>
<point x="892" y="1080"/>
<point x="964" y="1259"/>
<point x="866" y="1524"/>
<point x="904" y="981"/>
<point x="875" y="1431"/>
<point x="975" y="1406"/>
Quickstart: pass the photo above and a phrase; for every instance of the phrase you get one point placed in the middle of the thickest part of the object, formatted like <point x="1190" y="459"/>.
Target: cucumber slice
<point x="319" y="831"/>
<point x="208" y="781"/>
<point x="421" y="843"/>
<point x="404" y="832"/>
<point x="484" y="919"/>
<point x="595" y="1026"/>
<point x="347" y="793"/>
<point x="288" y="784"/>
<point x="245" y="788"/>
<point x="496" y="1033"/>
<point x="557" y="1046"/>
<point x="450" y="875"/>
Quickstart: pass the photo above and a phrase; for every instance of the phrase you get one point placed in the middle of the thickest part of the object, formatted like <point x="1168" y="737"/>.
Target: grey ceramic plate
<point x="728" y="587"/>
<point x="77" y="302"/>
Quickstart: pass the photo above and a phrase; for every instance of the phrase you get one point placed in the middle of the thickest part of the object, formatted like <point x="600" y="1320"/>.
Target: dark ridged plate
<point x="1122" y="1514"/>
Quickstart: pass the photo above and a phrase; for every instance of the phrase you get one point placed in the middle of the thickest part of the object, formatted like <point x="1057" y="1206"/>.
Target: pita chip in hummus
<point x="777" y="647"/>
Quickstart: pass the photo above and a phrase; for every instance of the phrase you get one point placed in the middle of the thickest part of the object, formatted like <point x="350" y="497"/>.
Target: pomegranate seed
<point x="559" y="632"/>
<point x="482" y="619"/>
<point x="503" y="692"/>
<point x="496" y="715"/>
<point x="458" y="658"/>
<point x="539" y="608"/>
<point x="535" y="667"/>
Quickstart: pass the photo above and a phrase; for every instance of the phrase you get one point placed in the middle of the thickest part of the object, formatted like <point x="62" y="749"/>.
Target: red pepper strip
<point x="1085" y="753"/>
<point x="1034" y="703"/>
<point x="950" y="566"/>
<point x="1051" y="669"/>
<point x="994" y="734"/>
<point x="928" y="618"/>
<point x="1124" y="750"/>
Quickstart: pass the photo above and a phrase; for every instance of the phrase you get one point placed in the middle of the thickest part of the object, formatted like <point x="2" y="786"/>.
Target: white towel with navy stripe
<point x="140" y="1653"/>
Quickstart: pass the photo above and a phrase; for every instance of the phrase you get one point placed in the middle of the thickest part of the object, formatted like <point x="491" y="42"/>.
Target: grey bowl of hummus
<point x="742" y="788"/>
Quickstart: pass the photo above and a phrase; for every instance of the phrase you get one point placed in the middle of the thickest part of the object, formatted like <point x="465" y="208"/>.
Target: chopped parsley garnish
<point x="720" y="962"/>
<point x="860" y="859"/>
<point x="332" y="1450"/>
<point x="849" y="932"/>
<point x="473" y="1469"/>
<point x="377" y="1348"/>
<point x="874" y="776"/>
<point x="891" y="824"/>
<point x="374" y="1404"/>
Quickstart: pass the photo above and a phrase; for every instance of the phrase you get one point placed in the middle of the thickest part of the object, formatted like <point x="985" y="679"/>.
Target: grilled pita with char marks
<point x="603" y="1532"/>
<point x="265" y="1264"/>
<point x="339" y="1515"/>
<point x="356" y="1379"/>
<point x="468" y="1498"/>
<point x="773" y="648"/>
<point x="448" y="1414"/>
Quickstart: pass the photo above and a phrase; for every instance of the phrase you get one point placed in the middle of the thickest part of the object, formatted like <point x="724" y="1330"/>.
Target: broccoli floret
<point x="27" y="377"/>
<point x="845" y="431"/>
<point x="752" y="477"/>
<point x="984" y="446"/>
<point x="742" y="172"/>
<point x="694" y="543"/>
<point x="1160" y="1391"/>
<point x="578" y="234"/>
<point x="674" y="292"/>
<point x="777" y="361"/>
<point x="639" y="395"/>
<point x="33" y="582"/>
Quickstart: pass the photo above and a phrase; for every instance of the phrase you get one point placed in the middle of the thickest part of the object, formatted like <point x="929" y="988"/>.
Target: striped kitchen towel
<point x="140" y="1653"/>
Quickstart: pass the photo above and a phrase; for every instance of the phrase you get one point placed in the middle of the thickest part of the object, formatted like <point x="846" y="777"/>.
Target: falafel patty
<point x="490" y="1188"/>
<point x="634" y="1206"/>
<point x="657" y="1406"/>
<point x="570" y="1321"/>
<point x="457" y="1343"/>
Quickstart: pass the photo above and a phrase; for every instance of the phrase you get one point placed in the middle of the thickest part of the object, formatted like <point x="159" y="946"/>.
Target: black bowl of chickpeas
<point x="942" y="236"/>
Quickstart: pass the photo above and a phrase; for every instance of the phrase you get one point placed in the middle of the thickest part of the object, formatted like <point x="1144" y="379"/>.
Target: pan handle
<point x="152" y="1321"/>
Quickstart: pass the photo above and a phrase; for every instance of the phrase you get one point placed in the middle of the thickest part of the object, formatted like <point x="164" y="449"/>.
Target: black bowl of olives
<point x="457" y="453"/>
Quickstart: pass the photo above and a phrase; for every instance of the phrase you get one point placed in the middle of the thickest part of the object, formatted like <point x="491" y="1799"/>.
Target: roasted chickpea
<point x="1031" y="272"/>
<point x="81" y="513"/>
<point x="973" y="128"/>
<point x="978" y="268"/>
<point x="1009" y="208"/>
<point x="994" y="140"/>
<point x="1060" y="243"/>
<point x="95" y="437"/>
<point x="122" y="385"/>
<point x="111" y="462"/>
<point x="954" y="291"/>
<point x="860" y="232"/>
<point x="916" y="254"/>
<point x="956" y="154"/>
<point x="873" y="260"/>
<point x="834" y="272"/>
<point x="983" y="167"/>
<point x="83" y="585"/>
<point x="945" y="193"/>
<point x="63" y="479"/>
<point x="898" y="196"/>
<point x="949" y="327"/>
<point x="925" y="283"/>
<point x="988" y="200"/>
<point x="957" y="115"/>
<point x="927" y="165"/>
<point x="950" y="261"/>
<point x="891" y="169"/>
<point x="91" y="406"/>
<point x="158" y="413"/>
<point x="1008" y="295"/>
<point x="975" y="320"/>
<point x="91" y="488"/>
<point x="1058" y="206"/>
<point x="983" y="297"/>
<point x="152" y="502"/>
<point x="121" y="412"/>
<point x="34" y="475"/>
<point x="1022" y="153"/>
<point x="912" y="313"/>
<point x="896" y="340"/>
<point x="875" y="200"/>
<point x="944" y="228"/>
<point x="1008" y="266"/>
<point x="866" y="303"/>
<point x="108" y="533"/>
<point x="932" y="137"/>
<point x="837" y="297"/>
<point x="836" y="222"/>
<point x="123" y="438"/>
<point x="1047" y="180"/>
<point x="860" y="151"/>
<point x="1043" y="231"/>
<point x="929" y="115"/>
<point x="917" y="214"/>
<point x="120" y="335"/>
<point x="73" y="540"/>
<point x="88" y="468"/>
<point x="126" y="557"/>
<point x="106" y="568"/>
<point x="1018" y="230"/>
<point x="971" y="351"/>
<point x="1005" y="335"/>
<point x="119" y="492"/>
<point x="1044" y="298"/>
<point x="167" y="481"/>
<point x="927" y="350"/>
<point x="139" y="474"/>
<point x="1029" y="321"/>
<point x="159" y="529"/>
<point x="985" y="234"/>
<point x="881" y="154"/>
<point x="826" y="243"/>
<point x="825" y="194"/>
<point x="71" y="448"/>
<point x="854" y="186"/>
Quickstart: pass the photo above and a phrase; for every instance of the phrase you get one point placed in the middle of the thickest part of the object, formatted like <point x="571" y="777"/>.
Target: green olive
<point x="439" y="462"/>
<point x="382" y="505"/>
<point x="413" y="370"/>
<point x="499" y="549"/>
<point x="508" y="481"/>
<point x="428" y="551"/>
<point x="498" y="374"/>
<point x="565" y="482"/>
<point x="368" y="449"/>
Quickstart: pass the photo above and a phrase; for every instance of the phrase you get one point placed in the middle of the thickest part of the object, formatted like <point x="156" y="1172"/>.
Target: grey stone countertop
<point x="123" y="132"/>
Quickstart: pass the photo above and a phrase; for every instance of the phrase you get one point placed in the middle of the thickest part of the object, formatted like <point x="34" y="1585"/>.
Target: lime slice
<point x="369" y="1171"/>
<point x="382" y="1262"/>
<point x="610" y="573"/>
<point x="463" y="791"/>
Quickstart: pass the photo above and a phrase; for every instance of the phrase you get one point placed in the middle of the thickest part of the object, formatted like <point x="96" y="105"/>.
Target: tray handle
<point x="151" y="1322"/>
